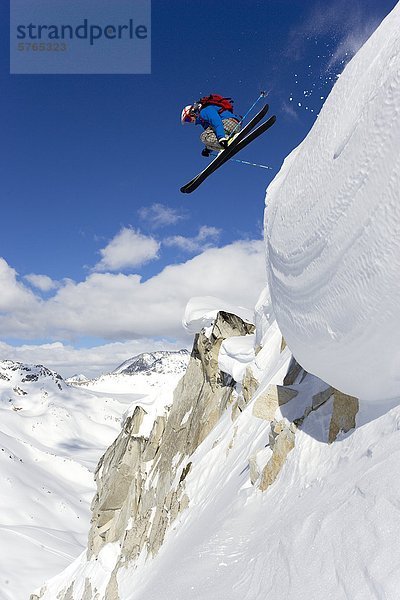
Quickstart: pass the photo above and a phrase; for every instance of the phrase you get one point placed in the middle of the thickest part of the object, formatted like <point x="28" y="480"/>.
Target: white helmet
<point x="188" y="115"/>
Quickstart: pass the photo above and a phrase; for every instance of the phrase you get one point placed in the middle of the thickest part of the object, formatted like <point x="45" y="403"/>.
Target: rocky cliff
<point x="141" y="479"/>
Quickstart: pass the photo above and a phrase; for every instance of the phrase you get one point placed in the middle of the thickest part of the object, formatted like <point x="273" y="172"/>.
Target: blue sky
<point x="91" y="166"/>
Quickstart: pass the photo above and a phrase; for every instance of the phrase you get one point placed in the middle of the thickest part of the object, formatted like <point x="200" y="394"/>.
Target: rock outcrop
<point x="141" y="478"/>
<point x="281" y="442"/>
<point x="267" y="404"/>
<point x="341" y="410"/>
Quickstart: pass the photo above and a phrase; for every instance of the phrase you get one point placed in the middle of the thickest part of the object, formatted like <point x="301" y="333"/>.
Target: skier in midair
<point x="222" y="131"/>
<point x="215" y="114"/>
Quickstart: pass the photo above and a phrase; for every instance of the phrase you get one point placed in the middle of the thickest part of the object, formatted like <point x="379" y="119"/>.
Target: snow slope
<point x="332" y="225"/>
<point x="51" y="438"/>
<point x="327" y="529"/>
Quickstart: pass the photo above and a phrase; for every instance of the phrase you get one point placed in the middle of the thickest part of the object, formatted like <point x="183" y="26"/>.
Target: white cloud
<point x="92" y="362"/>
<point x="14" y="295"/>
<point x="118" y="306"/>
<point x="159" y="215"/>
<point x="203" y="240"/>
<point x="42" y="282"/>
<point x="128" y="249"/>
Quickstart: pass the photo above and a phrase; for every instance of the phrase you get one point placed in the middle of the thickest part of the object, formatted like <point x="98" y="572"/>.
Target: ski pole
<point x="244" y="162"/>
<point x="263" y="94"/>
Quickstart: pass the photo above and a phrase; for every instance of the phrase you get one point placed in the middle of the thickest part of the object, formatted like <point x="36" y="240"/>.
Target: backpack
<point x="217" y="100"/>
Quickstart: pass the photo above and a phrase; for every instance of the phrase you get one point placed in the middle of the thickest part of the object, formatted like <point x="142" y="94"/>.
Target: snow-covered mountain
<point x="140" y="374"/>
<point x="155" y="362"/>
<point x="51" y="437"/>
<point x="263" y="480"/>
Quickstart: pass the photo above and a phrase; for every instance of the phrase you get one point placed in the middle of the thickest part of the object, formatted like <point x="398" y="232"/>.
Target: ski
<point x="224" y="154"/>
<point x="254" y="134"/>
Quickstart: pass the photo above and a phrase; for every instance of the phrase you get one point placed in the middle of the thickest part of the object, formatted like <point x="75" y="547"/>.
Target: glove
<point x="205" y="152"/>
<point x="223" y="142"/>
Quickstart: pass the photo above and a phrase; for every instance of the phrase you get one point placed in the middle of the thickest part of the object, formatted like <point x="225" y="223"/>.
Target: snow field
<point x="51" y="438"/>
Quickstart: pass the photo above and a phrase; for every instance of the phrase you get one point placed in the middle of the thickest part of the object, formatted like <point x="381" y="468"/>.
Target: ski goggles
<point x="189" y="119"/>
